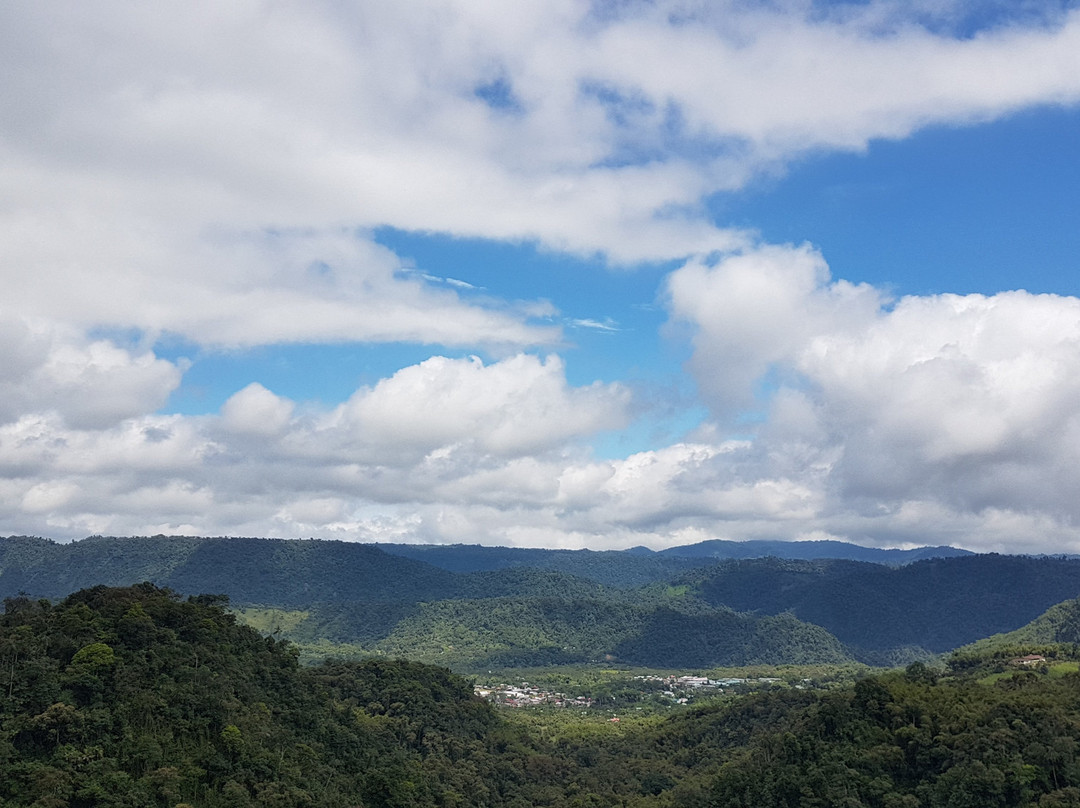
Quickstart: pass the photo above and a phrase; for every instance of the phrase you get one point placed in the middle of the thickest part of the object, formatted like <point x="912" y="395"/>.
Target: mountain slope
<point x="359" y="594"/>
<point x="520" y="632"/>
<point x="129" y="697"/>
<point x="270" y="571"/>
<point x="1060" y="624"/>
<point x="807" y="551"/>
<point x="607" y="567"/>
<point x="938" y="604"/>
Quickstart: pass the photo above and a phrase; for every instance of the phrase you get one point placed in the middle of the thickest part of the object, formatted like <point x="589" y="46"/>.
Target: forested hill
<point x="320" y="592"/>
<point x="717" y="549"/>
<point x="270" y="571"/>
<point x="132" y="697"/>
<point x="937" y="604"/>
<point x="332" y="594"/>
<point x="530" y="632"/>
<point x="1058" y="624"/>
<point x="640" y="565"/>
<point x="297" y="572"/>
<point x="608" y="567"/>
<point x="129" y="697"/>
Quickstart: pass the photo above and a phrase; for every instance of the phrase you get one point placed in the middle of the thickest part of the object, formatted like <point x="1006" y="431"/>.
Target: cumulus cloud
<point x="924" y="419"/>
<point x="90" y="383"/>
<point x="754" y="309"/>
<point x="957" y="403"/>
<point x="256" y="411"/>
<point x="217" y="172"/>
<point x="443" y="431"/>
<point x="517" y="406"/>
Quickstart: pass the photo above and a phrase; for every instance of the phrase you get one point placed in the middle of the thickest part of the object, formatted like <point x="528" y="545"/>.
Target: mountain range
<point x="474" y="607"/>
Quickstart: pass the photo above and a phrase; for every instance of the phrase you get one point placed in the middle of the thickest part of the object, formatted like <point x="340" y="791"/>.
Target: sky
<point x="563" y="274"/>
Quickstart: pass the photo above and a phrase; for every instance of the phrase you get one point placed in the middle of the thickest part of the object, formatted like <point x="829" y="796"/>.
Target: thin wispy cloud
<point x="596" y="325"/>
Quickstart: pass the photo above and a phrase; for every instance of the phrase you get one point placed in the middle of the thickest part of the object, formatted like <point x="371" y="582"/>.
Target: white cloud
<point x="217" y="171"/>
<point x="518" y="406"/>
<point x="91" y="383"/>
<point x="965" y="402"/>
<point x="941" y="419"/>
<point x="256" y="411"/>
<point x="196" y="170"/>
<point x="444" y="431"/>
<point x="753" y="310"/>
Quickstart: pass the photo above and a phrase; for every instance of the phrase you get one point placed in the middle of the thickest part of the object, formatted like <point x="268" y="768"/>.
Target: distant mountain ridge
<point x="809" y="551"/>
<point x="347" y="593"/>
<point x="935" y="604"/>
<point x="639" y="565"/>
<point x="469" y="606"/>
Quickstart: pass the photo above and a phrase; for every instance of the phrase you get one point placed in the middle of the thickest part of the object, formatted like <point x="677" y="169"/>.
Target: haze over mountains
<point x="472" y="607"/>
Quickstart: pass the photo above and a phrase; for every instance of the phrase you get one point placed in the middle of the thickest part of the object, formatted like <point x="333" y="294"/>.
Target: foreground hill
<point x="131" y="697"/>
<point x="128" y="697"/>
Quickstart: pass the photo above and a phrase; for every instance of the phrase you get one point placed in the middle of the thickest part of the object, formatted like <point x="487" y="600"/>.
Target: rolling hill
<point x="689" y="611"/>
<point x="936" y="604"/>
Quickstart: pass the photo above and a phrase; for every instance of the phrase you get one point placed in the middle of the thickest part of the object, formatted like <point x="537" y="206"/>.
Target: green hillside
<point x="129" y="697"/>
<point x="135" y="698"/>
<point x="607" y="567"/>
<point x="515" y="632"/>
<point x="937" y="604"/>
<point x="500" y="632"/>
<point x="354" y="599"/>
<point x="365" y="600"/>
<point x="1058" y="625"/>
<point x="264" y="571"/>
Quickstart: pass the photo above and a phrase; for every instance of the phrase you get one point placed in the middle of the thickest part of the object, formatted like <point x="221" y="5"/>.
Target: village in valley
<point x="672" y="689"/>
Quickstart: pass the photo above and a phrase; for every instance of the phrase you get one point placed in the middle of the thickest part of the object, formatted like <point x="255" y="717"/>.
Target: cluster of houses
<point x="681" y="688"/>
<point x="678" y="689"/>
<point x="526" y="695"/>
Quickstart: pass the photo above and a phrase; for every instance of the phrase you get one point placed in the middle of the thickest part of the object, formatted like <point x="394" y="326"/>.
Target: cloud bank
<point x="219" y="174"/>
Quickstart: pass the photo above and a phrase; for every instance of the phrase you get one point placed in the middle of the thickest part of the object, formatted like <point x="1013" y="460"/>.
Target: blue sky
<point x="980" y="209"/>
<point x="962" y="209"/>
<point x="577" y="276"/>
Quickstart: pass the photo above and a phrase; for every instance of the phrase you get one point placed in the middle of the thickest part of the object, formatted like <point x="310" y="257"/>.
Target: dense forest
<point x="937" y="604"/>
<point x="474" y="608"/>
<point x="137" y="697"/>
<point x="1059" y="624"/>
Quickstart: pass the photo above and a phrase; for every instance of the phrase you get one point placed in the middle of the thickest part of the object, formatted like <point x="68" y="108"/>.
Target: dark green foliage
<point x="532" y="632"/>
<point x="722" y="637"/>
<point x="361" y="596"/>
<point x="133" y="697"/>
<point x="807" y="551"/>
<point x="357" y="594"/>
<point x="907" y="741"/>
<point x="937" y="604"/>
<point x="607" y="567"/>
<point x="265" y="571"/>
